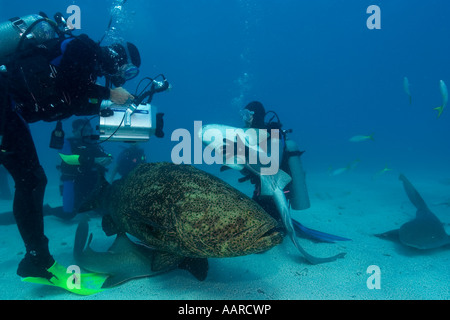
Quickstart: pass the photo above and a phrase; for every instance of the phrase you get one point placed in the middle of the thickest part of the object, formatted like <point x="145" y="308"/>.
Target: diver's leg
<point x="21" y="160"/>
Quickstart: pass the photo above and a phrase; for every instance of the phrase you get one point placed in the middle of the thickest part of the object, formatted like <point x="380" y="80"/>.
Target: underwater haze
<point x="329" y="77"/>
<point x="315" y="63"/>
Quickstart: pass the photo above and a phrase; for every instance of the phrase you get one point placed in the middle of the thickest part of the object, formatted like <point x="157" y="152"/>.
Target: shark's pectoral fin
<point x="270" y="183"/>
<point x="81" y="236"/>
<point x="198" y="267"/>
<point x="389" y="235"/>
<point x="224" y="168"/>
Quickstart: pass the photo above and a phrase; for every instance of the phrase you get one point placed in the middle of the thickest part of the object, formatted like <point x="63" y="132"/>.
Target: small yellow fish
<point x="444" y="93"/>
<point x="406" y="88"/>
<point x="386" y="169"/>
<point x="382" y="171"/>
<point x="344" y="169"/>
<point x="338" y="171"/>
<point x="360" y="138"/>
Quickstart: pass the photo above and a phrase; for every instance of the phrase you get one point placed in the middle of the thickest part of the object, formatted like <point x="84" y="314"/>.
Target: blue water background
<point x="315" y="62"/>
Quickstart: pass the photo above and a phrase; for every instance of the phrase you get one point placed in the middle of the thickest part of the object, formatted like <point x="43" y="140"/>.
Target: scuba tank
<point x="34" y="27"/>
<point x="298" y="193"/>
<point x="292" y="165"/>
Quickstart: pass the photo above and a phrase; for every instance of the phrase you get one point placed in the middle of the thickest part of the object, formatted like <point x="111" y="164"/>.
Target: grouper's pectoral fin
<point x="198" y="267"/>
<point x="164" y="261"/>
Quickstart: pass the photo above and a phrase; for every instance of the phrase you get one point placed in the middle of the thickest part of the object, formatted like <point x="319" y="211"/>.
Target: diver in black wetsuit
<point x="254" y="115"/>
<point x="128" y="160"/>
<point x="51" y="81"/>
<point x="79" y="181"/>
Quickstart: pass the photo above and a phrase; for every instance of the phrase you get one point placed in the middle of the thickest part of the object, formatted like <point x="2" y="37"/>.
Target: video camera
<point x="136" y="122"/>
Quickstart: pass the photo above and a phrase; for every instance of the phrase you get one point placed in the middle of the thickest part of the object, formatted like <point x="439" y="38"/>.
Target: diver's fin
<point x="303" y="231"/>
<point x="82" y="283"/>
<point x="198" y="267"/>
<point x="71" y="160"/>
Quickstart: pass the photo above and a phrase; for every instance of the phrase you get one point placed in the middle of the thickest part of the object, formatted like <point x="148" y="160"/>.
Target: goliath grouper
<point x="186" y="215"/>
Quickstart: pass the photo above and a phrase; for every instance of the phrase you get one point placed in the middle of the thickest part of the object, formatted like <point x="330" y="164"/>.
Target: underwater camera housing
<point x="136" y="122"/>
<point x="128" y="124"/>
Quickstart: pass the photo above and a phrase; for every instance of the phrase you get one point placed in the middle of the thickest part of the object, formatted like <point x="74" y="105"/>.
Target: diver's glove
<point x="120" y="96"/>
<point x="82" y="284"/>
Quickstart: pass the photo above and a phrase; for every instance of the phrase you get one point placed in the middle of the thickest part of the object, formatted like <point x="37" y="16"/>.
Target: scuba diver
<point x="127" y="160"/>
<point x="48" y="74"/>
<point x="254" y="115"/>
<point x="78" y="182"/>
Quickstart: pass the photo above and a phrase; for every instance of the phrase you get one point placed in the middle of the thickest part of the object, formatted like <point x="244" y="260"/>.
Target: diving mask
<point x="125" y="73"/>
<point x="247" y="116"/>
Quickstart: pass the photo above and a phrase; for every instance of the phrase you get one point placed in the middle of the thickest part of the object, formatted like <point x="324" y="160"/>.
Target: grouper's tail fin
<point x="94" y="200"/>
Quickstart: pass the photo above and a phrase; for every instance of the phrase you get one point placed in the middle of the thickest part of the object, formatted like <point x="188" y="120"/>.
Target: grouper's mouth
<point x="271" y="236"/>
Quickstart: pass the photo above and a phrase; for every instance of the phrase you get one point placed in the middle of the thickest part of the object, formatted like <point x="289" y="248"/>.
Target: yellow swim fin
<point x="78" y="283"/>
<point x="72" y="160"/>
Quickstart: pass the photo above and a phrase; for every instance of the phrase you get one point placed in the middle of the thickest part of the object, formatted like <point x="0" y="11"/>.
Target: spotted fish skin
<point x="185" y="211"/>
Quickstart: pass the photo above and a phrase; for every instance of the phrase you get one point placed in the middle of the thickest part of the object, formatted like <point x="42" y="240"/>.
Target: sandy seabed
<point x="353" y="205"/>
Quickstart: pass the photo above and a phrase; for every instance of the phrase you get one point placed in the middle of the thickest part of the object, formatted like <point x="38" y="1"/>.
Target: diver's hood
<point x="120" y="62"/>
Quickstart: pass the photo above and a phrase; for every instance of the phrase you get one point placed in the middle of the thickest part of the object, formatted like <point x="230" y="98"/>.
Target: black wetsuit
<point x="129" y="159"/>
<point x="80" y="180"/>
<point x="42" y="83"/>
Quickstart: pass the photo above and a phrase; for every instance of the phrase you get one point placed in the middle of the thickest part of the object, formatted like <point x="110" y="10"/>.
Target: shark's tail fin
<point x="413" y="195"/>
<point x="439" y="109"/>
